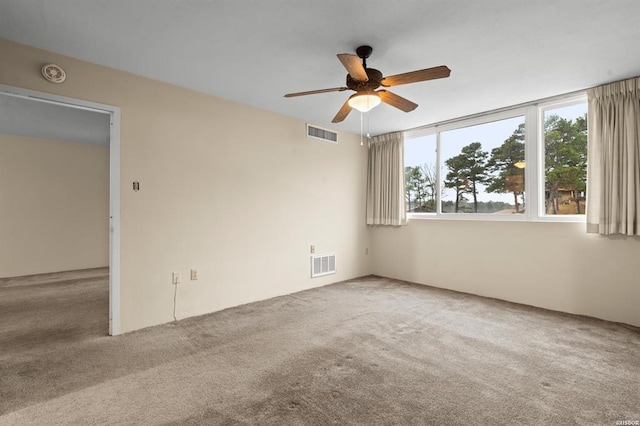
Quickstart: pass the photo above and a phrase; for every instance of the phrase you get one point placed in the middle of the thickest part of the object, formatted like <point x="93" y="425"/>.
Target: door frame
<point x="114" y="183"/>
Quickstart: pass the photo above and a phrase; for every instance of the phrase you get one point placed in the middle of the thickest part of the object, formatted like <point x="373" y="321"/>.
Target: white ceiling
<point x="501" y="52"/>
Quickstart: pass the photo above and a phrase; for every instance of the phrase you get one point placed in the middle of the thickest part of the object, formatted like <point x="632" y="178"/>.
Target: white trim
<point x="114" y="185"/>
<point x="482" y="217"/>
<point x="419" y="132"/>
<point x="49" y="98"/>
<point x="533" y="185"/>
<point x="552" y="99"/>
<point x="542" y="108"/>
<point x="470" y="216"/>
<point x="438" y="176"/>
<point x="114" y="226"/>
<point x="563" y="102"/>
<point x="483" y="119"/>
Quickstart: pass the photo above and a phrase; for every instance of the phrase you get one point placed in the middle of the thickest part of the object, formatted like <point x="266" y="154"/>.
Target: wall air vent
<point x="322" y="134"/>
<point x="323" y="264"/>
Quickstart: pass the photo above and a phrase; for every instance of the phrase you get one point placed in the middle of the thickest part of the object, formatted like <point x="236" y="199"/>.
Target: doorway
<point x="75" y="119"/>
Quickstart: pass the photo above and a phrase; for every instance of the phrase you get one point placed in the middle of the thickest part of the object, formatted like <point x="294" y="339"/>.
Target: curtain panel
<point x="385" y="181"/>
<point x="613" y="168"/>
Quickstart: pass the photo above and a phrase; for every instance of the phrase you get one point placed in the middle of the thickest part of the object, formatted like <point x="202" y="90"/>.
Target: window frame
<point x="542" y="107"/>
<point x="533" y="114"/>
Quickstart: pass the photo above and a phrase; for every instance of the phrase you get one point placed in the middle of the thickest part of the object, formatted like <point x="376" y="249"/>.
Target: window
<point x="420" y="174"/>
<point x="565" y="159"/>
<point x="483" y="168"/>
<point x="526" y="163"/>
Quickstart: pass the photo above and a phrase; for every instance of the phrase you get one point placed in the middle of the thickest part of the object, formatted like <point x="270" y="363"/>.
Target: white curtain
<point x="385" y="181"/>
<point x="613" y="169"/>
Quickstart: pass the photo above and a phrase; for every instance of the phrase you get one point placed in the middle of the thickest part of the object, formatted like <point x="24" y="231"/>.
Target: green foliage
<point x="503" y="172"/>
<point x="466" y="171"/>
<point x="483" y="206"/>
<point x="412" y="181"/>
<point x="565" y="145"/>
<point x="507" y="177"/>
<point x="420" y="188"/>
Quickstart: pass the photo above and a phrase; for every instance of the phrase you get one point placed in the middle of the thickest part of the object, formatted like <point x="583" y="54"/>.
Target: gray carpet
<point x="371" y="351"/>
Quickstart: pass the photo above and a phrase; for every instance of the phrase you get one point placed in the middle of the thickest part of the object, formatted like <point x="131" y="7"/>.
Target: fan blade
<point x="314" y="92"/>
<point x="342" y="114"/>
<point x="353" y="66"/>
<point x="415" y="76"/>
<point x="397" y="101"/>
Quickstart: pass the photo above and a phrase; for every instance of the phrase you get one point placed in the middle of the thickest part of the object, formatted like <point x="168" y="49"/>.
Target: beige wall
<point x="240" y="194"/>
<point x="552" y="265"/>
<point x="54" y="199"/>
<point x="235" y="192"/>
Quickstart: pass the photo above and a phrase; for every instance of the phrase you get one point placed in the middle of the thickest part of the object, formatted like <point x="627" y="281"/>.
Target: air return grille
<point x="323" y="264"/>
<point x="322" y="134"/>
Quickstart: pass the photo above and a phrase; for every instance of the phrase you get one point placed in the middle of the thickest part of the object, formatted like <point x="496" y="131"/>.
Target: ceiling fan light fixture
<point x="364" y="81"/>
<point x="364" y="101"/>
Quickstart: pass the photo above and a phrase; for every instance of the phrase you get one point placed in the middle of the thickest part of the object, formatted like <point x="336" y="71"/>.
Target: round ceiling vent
<point x="53" y="73"/>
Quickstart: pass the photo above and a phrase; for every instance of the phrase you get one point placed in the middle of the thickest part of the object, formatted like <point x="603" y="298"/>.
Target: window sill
<point x="495" y="218"/>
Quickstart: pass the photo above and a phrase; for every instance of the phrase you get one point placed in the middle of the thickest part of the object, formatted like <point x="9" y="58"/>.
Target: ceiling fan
<point x="364" y="81"/>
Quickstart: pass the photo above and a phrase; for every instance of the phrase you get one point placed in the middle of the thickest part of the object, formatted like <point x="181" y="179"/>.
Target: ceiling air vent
<point x="323" y="264"/>
<point x="322" y="134"/>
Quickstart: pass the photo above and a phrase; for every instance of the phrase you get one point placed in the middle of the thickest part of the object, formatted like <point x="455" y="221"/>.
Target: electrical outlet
<point x="176" y="278"/>
<point x="313" y="249"/>
<point x="194" y="274"/>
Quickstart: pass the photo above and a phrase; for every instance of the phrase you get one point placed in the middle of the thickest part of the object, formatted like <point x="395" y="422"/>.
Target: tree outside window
<point x="565" y="162"/>
<point x="482" y="167"/>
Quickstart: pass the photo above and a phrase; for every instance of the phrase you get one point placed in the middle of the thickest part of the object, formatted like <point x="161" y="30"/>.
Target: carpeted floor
<point x="39" y="310"/>
<point x="371" y="351"/>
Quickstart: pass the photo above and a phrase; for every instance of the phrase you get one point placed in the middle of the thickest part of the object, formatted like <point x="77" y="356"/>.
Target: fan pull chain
<point x="368" y="134"/>
<point x="361" y="129"/>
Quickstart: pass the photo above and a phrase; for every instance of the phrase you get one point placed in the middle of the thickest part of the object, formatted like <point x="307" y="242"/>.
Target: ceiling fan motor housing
<point x="364" y="51"/>
<point x="375" y="77"/>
